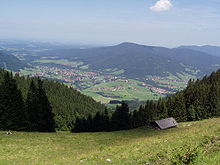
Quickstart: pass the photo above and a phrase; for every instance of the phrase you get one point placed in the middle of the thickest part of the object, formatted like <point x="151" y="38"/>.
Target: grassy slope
<point x="138" y="146"/>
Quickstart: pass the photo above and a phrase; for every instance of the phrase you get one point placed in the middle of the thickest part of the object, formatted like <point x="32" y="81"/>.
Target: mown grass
<point x="195" y="143"/>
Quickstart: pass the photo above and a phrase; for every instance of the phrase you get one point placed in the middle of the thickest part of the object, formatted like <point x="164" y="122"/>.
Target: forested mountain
<point x="213" y="50"/>
<point x="11" y="62"/>
<point x="139" y="60"/>
<point x="66" y="102"/>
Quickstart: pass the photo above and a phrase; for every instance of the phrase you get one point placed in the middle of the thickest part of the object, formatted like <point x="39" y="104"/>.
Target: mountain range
<point x="134" y="60"/>
<point x="140" y="60"/>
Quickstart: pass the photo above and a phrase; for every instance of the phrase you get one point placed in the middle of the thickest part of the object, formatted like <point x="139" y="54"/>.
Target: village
<point x="84" y="79"/>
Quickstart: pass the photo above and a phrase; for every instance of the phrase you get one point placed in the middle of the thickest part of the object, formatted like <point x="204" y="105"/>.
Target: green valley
<point x="126" y="71"/>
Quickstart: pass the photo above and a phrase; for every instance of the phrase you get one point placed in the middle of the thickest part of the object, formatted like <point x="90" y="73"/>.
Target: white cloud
<point x="161" y="5"/>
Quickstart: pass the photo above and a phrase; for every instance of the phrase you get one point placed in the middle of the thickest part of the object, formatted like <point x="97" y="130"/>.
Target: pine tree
<point x="114" y="120"/>
<point x="97" y="122"/>
<point x="89" y="123"/>
<point x="105" y="123"/>
<point x="45" y="108"/>
<point x="78" y="125"/>
<point x="39" y="109"/>
<point x="32" y="107"/>
<point x="135" y="119"/>
<point x="123" y="116"/>
<point x="142" y="115"/>
<point x="13" y="114"/>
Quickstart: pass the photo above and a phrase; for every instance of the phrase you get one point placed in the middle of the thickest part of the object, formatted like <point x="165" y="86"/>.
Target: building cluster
<point x="86" y="79"/>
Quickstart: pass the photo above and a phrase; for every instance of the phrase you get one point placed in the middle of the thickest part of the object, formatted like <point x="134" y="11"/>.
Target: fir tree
<point x="123" y="116"/>
<point x="13" y="115"/>
<point x="39" y="109"/>
<point x="105" y="122"/>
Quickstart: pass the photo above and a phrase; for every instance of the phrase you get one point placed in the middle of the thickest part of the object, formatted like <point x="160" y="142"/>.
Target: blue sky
<point x="151" y="22"/>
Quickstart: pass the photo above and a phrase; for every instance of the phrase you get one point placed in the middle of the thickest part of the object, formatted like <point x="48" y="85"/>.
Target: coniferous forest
<point x="32" y="104"/>
<point x="24" y="95"/>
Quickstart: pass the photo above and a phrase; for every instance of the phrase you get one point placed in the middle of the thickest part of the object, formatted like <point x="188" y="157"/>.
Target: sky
<point x="151" y="22"/>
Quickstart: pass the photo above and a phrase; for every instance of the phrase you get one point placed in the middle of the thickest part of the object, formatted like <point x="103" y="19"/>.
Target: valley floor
<point x="194" y="142"/>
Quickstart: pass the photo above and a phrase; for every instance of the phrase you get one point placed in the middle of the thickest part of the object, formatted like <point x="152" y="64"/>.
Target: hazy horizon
<point x="168" y="23"/>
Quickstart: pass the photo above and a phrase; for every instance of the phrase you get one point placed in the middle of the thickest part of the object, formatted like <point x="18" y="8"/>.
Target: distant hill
<point x="213" y="50"/>
<point x="140" y="60"/>
<point x="10" y="62"/>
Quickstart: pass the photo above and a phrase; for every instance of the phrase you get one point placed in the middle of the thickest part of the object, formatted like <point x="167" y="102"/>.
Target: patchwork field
<point x="121" y="89"/>
<point x="59" y="61"/>
<point x="106" y="85"/>
<point x="189" y="143"/>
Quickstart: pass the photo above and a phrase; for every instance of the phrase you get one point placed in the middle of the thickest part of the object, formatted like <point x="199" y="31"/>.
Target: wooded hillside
<point x="67" y="103"/>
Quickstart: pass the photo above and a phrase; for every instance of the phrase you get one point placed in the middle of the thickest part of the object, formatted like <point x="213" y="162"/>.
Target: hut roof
<point x="166" y="123"/>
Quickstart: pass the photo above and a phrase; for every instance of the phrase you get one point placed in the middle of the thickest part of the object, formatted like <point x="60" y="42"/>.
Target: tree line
<point x="200" y="100"/>
<point x="120" y="119"/>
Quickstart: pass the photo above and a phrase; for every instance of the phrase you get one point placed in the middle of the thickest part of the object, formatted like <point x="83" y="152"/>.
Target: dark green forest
<point x="200" y="100"/>
<point x="67" y="103"/>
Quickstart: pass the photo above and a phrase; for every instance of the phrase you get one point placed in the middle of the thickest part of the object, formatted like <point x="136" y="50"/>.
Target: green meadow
<point x="59" y="61"/>
<point x="189" y="143"/>
<point x="129" y="91"/>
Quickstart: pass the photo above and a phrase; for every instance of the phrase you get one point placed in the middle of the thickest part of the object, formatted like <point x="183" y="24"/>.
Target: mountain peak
<point x="127" y="44"/>
<point x="133" y="45"/>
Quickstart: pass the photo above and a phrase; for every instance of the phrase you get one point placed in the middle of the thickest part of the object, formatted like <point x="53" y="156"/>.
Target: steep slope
<point x="67" y="102"/>
<point x="11" y="62"/>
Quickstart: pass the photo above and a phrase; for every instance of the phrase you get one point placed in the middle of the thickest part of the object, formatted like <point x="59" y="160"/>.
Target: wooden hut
<point x="164" y="123"/>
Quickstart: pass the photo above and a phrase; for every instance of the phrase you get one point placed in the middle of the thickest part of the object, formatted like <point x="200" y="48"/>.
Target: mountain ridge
<point x="213" y="50"/>
<point x="141" y="60"/>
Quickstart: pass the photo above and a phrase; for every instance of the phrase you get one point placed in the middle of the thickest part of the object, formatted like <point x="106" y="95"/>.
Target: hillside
<point x="127" y="71"/>
<point x="140" y="60"/>
<point x="195" y="142"/>
<point x="11" y="62"/>
<point x="67" y="103"/>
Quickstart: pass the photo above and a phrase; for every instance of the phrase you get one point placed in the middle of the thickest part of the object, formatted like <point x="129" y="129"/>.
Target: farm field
<point x="60" y="61"/>
<point x="192" y="143"/>
<point x="106" y="85"/>
<point x="129" y="89"/>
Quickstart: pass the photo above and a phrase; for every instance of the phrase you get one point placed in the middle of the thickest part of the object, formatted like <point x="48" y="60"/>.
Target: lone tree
<point x="39" y="109"/>
<point x="13" y="115"/>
